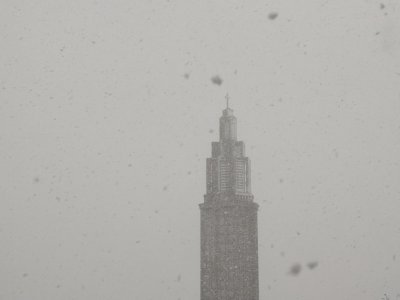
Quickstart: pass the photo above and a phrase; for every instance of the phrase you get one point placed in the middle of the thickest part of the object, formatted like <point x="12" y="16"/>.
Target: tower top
<point x="228" y="169"/>
<point x="227" y="123"/>
<point x="227" y="111"/>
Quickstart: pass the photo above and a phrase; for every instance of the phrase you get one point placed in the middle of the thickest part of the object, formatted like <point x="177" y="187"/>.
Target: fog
<point x="107" y="114"/>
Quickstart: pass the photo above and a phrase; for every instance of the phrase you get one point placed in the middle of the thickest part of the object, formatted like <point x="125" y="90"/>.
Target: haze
<point x="107" y="113"/>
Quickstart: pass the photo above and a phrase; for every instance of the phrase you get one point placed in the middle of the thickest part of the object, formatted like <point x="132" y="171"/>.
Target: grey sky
<point x="107" y="112"/>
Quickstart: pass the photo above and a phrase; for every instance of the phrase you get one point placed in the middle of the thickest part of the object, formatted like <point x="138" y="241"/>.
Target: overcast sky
<point x="107" y="113"/>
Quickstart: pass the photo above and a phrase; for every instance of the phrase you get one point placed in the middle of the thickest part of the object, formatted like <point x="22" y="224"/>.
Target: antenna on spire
<point x="227" y="100"/>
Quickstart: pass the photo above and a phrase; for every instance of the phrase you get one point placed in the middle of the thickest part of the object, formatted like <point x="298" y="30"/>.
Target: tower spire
<point x="227" y="123"/>
<point x="227" y="100"/>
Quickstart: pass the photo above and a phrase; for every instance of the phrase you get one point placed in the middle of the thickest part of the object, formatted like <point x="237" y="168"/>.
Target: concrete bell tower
<point x="229" y="238"/>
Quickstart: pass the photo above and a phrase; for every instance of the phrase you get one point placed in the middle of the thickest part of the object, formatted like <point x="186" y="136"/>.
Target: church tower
<point x="229" y="243"/>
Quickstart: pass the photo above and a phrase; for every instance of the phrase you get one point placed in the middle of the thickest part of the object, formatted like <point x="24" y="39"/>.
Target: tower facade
<point x="229" y="239"/>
